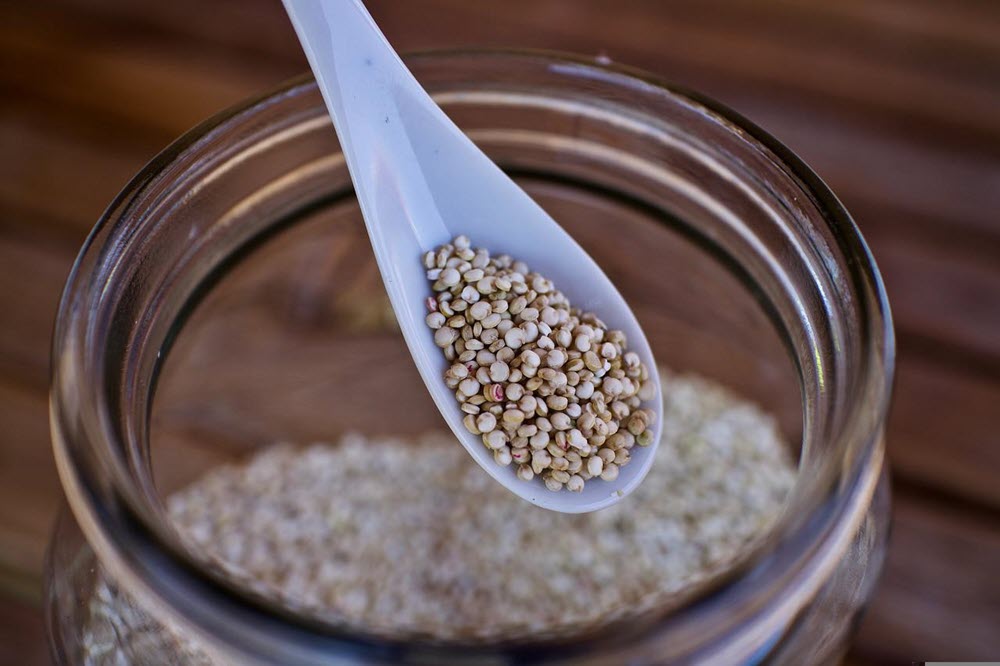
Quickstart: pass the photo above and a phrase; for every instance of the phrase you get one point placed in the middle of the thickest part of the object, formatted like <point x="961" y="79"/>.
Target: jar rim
<point x="81" y="460"/>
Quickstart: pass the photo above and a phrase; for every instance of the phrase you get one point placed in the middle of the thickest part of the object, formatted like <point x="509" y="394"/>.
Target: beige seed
<point x="469" y="387"/>
<point x="555" y="359"/>
<point x="470" y="295"/>
<point x="560" y="421"/>
<point x="581" y="343"/>
<point x="595" y="466"/>
<point x="610" y="472"/>
<point x="619" y="410"/>
<point x="560" y="476"/>
<point x="474" y="275"/>
<point x="480" y="310"/>
<point x="530" y="331"/>
<point x="502" y="456"/>
<point x="435" y="320"/>
<point x="513" y="417"/>
<point x="492" y="321"/>
<point x="576" y="439"/>
<point x="540" y="461"/>
<point x="499" y="371"/>
<point x="527" y="403"/>
<point x="541" y="285"/>
<point x="445" y="336"/>
<point x="495" y="439"/>
<point x="470" y="424"/>
<point x="611" y="387"/>
<point x="553" y="485"/>
<point x="645" y="439"/>
<point x="525" y="473"/>
<point x="527" y="430"/>
<point x="486" y="422"/>
<point x="515" y="392"/>
<point x="528" y="314"/>
<point x="443" y="253"/>
<point x="575" y="483"/>
<point x="521" y="456"/>
<point x="637" y="423"/>
<point x="514" y="338"/>
<point x="450" y="277"/>
<point x="556" y="402"/>
<point x="539" y="440"/>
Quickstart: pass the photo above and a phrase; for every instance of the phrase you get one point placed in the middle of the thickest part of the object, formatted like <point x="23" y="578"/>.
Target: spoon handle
<point x="366" y="87"/>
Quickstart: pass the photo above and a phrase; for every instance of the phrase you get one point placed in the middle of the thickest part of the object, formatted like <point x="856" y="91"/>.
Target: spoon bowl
<point x="420" y="182"/>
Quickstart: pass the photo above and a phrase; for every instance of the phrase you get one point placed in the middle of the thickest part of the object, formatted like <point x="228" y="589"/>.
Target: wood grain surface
<point x="895" y="103"/>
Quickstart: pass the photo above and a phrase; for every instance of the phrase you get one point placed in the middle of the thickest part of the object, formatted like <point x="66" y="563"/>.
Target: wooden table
<point x="896" y="103"/>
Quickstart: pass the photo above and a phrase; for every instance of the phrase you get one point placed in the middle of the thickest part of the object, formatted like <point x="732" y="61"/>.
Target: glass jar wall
<point x="228" y="302"/>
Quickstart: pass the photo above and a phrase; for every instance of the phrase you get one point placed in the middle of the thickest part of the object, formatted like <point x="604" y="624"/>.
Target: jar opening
<point x="777" y="286"/>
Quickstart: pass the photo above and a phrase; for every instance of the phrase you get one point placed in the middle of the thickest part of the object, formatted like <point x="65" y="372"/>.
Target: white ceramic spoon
<point x="420" y="182"/>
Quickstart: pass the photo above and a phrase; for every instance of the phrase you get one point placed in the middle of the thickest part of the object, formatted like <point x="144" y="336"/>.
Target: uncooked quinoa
<point x="374" y="534"/>
<point x="548" y="387"/>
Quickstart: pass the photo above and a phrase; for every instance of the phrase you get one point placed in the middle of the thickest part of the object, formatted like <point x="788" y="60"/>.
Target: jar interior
<point x="294" y="339"/>
<point x="287" y="336"/>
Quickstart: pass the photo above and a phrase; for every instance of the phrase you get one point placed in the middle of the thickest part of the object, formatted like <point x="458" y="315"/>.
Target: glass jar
<point x="228" y="300"/>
